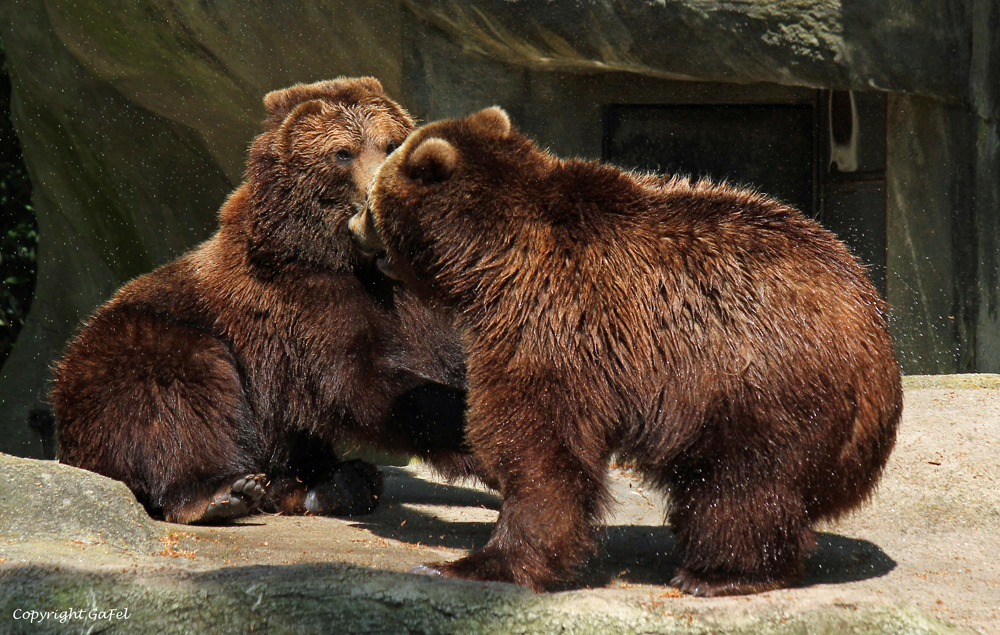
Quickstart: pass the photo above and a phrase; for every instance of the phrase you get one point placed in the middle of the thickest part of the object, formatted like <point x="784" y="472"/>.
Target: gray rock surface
<point x="939" y="49"/>
<point x="922" y="557"/>
<point x="43" y="500"/>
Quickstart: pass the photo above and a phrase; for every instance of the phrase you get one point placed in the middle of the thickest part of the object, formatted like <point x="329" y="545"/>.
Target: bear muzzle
<point x="364" y="234"/>
<point x="369" y="243"/>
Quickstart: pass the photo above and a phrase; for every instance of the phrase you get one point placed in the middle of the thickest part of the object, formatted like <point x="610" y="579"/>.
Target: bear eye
<point x="344" y="156"/>
<point x="391" y="147"/>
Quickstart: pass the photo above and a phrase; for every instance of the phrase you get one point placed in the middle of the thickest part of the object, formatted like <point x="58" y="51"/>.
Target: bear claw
<point x="425" y="569"/>
<point x="688" y="583"/>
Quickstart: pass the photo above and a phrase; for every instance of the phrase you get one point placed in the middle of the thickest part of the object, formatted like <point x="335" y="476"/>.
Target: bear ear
<point x="284" y="137"/>
<point x="280" y="102"/>
<point x="433" y="161"/>
<point x="492" y="121"/>
<point x="370" y="84"/>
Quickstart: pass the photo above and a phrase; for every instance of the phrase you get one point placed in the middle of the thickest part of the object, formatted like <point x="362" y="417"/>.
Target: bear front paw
<point x="482" y="567"/>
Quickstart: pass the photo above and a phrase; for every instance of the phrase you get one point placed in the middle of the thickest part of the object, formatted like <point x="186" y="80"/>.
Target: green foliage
<point x="18" y="230"/>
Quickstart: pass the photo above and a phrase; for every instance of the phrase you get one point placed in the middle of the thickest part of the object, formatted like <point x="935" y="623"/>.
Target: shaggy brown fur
<point x="725" y="345"/>
<point x="258" y="350"/>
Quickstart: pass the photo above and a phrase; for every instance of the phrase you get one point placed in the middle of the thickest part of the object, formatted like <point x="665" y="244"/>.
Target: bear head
<point x="440" y="203"/>
<point x="310" y="169"/>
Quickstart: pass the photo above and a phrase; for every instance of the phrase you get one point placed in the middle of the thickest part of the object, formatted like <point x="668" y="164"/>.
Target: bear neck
<point x="267" y="228"/>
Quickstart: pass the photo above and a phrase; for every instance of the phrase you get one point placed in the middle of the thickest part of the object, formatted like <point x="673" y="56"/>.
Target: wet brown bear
<point x="258" y="350"/>
<point x="729" y="348"/>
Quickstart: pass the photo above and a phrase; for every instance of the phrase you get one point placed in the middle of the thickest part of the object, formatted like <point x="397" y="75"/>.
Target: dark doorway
<point x="765" y="146"/>
<point x="18" y="229"/>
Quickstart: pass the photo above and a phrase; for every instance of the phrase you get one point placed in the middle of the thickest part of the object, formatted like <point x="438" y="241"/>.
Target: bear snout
<point x="370" y="243"/>
<point x="364" y="235"/>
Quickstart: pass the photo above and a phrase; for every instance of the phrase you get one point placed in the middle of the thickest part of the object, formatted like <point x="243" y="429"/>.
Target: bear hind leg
<point x="161" y="407"/>
<point x="738" y="536"/>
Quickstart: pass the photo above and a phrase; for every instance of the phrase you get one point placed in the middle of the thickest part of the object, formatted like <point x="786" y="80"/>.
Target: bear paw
<point x="700" y="587"/>
<point x="235" y="499"/>
<point x="354" y="489"/>
<point x="484" y="567"/>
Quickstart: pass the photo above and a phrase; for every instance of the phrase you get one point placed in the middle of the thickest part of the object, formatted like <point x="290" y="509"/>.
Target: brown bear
<point x="723" y="344"/>
<point x="259" y="350"/>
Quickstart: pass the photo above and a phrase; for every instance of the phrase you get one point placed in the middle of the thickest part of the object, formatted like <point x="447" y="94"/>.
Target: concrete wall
<point x="932" y="242"/>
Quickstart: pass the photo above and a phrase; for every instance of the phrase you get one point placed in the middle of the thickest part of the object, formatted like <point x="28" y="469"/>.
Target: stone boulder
<point x="47" y="500"/>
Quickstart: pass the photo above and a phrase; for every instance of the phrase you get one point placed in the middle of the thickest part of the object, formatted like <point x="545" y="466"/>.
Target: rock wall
<point x="206" y="66"/>
<point x="940" y="48"/>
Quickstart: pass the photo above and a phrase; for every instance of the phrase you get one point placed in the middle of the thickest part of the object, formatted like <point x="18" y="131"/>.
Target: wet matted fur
<point x="728" y="347"/>
<point x="244" y="361"/>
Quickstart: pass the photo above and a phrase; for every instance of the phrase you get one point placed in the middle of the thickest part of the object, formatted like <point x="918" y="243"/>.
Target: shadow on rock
<point x="634" y="554"/>
<point x="838" y="559"/>
<point x="241" y="599"/>
<point x="403" y="487"/>
<point x="646" y="555"/>
<point x="397" y="520"/>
